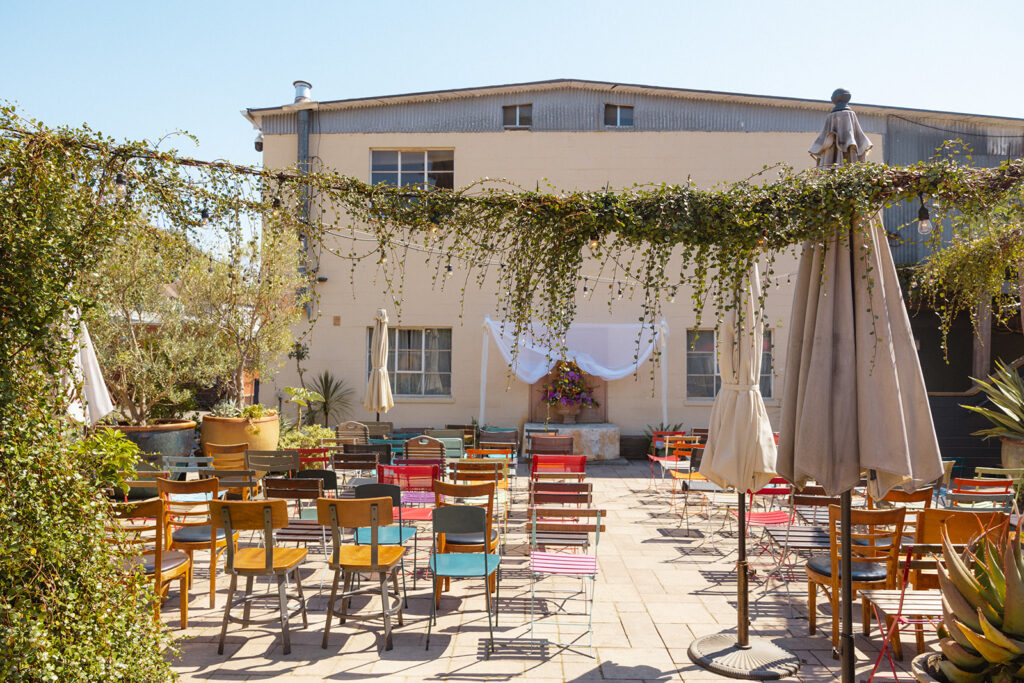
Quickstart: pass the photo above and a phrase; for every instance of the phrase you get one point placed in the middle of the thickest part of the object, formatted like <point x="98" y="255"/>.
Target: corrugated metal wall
<point x="912" y="140"/>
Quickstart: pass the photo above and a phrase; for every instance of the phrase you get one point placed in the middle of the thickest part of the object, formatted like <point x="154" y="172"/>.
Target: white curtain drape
<point x="608" y="351"/>
<point x="93" y="403"/>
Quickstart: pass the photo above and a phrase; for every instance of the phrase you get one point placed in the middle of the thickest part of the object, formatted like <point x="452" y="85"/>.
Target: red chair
<point x="675" y="452"/>
<point x="770" y="517"/>
<point x="417" y="485"/>
<point x="574" y="465"/>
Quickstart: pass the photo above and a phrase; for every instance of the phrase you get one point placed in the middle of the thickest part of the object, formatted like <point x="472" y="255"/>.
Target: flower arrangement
<point x="568" y="387"/>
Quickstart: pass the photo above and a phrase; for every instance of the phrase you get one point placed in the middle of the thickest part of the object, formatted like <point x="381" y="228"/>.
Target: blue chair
<point x="463" y="519"/>
<point x="388" y="535"/>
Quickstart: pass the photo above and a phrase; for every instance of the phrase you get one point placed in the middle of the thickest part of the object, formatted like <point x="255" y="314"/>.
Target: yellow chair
<point x="349" y="560"/>
<point x="265" y="516"/>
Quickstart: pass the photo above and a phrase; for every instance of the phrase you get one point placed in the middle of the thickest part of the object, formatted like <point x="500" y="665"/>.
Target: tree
<point x="152" y="339"/>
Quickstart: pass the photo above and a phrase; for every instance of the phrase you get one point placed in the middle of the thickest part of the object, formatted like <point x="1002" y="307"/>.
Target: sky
<point x="142" y="70"/>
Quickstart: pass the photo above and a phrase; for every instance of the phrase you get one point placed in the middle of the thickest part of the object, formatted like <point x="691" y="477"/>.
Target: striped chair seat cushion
<point x="418" y="497"/>
<point x="557" y="563"/>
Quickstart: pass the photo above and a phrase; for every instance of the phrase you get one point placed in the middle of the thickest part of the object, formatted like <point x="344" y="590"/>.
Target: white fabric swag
<point x="608" y="351"/>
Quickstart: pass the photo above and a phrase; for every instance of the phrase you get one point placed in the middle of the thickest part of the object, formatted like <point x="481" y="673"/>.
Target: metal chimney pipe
<point x="302" y="89"/>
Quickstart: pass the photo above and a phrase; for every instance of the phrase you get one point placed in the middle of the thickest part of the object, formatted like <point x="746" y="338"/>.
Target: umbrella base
<point x="762" y="660"/>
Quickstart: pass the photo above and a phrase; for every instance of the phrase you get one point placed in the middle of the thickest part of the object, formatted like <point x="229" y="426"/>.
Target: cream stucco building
<point x="569" y="135"/>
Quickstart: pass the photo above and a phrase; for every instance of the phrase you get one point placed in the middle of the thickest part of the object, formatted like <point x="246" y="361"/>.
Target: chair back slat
<point x="424" y="447"/>
<point x="446" y="434"/>
<point x="232" y="479"/>
<point x="380" y="430"/>
<point x="409" y="477"/>
<point x="188" y="502"/>
<point x="248" y="515"/>
<point x="272" y="462"/>
<point x="574" y="464"/>
<point x="875" y="538"/>
<point x="293" y="488"/>
<point x="550" y="445"/>
<point x="920" y="498"/>
<point x="226" y="456"/>
<point x="460" y="519"/>
<point x="183" y="465"/>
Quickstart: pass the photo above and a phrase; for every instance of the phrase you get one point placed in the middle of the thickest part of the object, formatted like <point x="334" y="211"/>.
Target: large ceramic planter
<point x="259" y="434"/>
<point x="166" y="437"/>
<point x="925" y="667"/>
<point x="1013" y="453"/>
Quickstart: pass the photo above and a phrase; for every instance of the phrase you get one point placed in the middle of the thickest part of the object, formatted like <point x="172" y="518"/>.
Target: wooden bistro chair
<point x="476" y="470"/>
<point x="273" y="463"/>
<point x="545" y="444"/>
<point x="380" y="430"/>
<point x="463" y="521"/>
<point x="300" y="528"/>
<point x="424" y="448"/>
<point x="468" y="433"/>
<point x="188" y="506"/>
<point x="382" y="450"/>
<point x="389" y="535"/>
<point x="875" y="547"/>
<point x="353" y="430"/>
<point x="181" y="466"/>
<point x="546" y="495"/>
<point x="549" y="466"/>
<point x="482" y="496"/>
<point x="372" y="558"/>
<point x="354" y="463"/>
<point x="229" y="456"/>
<point x="141" y="484"/>
<point x="575" y="522"/>
<point x="145" y="525"/>
<point x="269" y="561"/>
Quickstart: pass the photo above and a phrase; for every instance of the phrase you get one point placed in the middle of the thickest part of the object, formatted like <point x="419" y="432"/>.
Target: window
<point x="517" y="116"/>
<point x="419" y="360"/>
<point x="618" y="115"/>
<point x="422" y="168"/>
<point x="702" y="378"/>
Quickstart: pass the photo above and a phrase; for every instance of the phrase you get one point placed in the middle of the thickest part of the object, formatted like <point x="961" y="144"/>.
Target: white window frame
<point x="518" y="109"/>
<point x="618" y="115"/>
<point x="422" y="370"/>
<point x="717" y="375"/>
<point x="424" y="173"/>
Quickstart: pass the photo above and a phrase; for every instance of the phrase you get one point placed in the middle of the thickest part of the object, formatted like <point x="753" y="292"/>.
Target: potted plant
<point x="150" y="336"/>
<point x="230" y="423"/>
<point x="1005" y="389"/>
<point x="335" y="402"/>
<point x="982" y="634"/>
<point x="568" y="391"/>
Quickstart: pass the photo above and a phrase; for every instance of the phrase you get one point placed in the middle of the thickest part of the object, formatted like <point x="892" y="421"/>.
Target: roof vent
<point x="302" y="91"/>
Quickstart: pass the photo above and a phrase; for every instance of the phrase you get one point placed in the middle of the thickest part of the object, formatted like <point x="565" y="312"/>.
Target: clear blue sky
<point x="142" y="69"/>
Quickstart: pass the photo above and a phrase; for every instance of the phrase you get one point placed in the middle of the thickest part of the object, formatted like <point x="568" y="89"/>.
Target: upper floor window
<point x="702" y="375"/>
<point x="517" y="116"/>
<point x="618" y="115"/>
<point x="419" y="360"/>
<point x="422" y="168"/>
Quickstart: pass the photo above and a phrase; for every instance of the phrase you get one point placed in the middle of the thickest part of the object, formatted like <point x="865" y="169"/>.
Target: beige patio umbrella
<point x="854" y="399"/>
<point x="741" y="453"/>
<point x="378" y="397"/>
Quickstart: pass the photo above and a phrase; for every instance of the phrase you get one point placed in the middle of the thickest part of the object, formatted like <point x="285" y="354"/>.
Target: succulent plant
<point x="983" y="608"/>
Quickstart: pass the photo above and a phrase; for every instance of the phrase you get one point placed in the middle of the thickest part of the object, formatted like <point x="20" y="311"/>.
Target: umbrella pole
<point x="738" y="657"/>
<point x="846" y="610"/>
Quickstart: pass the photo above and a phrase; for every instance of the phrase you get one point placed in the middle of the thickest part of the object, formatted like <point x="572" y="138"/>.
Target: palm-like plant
<point x="1006" y="391"/>
<point x="337" y="398"/>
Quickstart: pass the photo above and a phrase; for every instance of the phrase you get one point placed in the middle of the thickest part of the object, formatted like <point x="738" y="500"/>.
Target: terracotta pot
<point x="925" y="667"/>
<point x="166" y="437"/>
<point x="260" y="434"/>
<point x="1013" y="453"/>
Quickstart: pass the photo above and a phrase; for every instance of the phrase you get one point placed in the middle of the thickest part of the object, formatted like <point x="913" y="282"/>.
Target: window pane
<point x="410" y="339"/>
<point x="702" y="341"/>
<point x="625" y="116"/>
<point x="610" y="115"/>
<point x="412" y="161"/>
<point x="700" y="386"/>
<point x="508" y="116"/>
<point x="416" y="179"/>
<point x="409" y="384"/>
<point x="445" y="181"/>
<point x="766" y="386"/>
<point x="437" y="339"/>
<point x="441" y="160"/>
<point x="383" y="160"/>
<point x="410" y="360"/>
<point x="437" y="361"/>
<point x="386" y="178"/>
<point x="526" y="115"/>
<point x="700" y="364"/>
<point x="437" y="384"/>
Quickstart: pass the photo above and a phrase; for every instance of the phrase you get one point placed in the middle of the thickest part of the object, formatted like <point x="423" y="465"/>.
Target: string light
<point x="119" y="185"/>
<point x="585" y="288"/>
<point x="924" y="219"/>
<point x="448" y="270"/>
<point x="277" y="206"/>
<point x="205" y="215"/>
<point x="620" y="291"/>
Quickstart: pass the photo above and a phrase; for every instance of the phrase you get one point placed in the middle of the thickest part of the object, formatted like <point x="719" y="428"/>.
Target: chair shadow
<point x="611" y="670"/>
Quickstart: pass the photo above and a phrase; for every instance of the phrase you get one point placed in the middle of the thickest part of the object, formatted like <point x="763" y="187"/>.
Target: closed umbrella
<point x="378" y="397"/>
<point x="741" y="453"/>
<point x="93" y="403"/>
<point x="854" y="398"/>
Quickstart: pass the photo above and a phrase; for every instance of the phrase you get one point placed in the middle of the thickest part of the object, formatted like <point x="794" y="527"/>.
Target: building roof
<point x="256" y="113"/>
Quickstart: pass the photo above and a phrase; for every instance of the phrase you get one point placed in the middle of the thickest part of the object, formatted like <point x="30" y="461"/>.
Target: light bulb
<point x="594" y="244"/>
<point x="448" y="270"/>
<point x="672" y="299"/>
<point x="924" y="227"/>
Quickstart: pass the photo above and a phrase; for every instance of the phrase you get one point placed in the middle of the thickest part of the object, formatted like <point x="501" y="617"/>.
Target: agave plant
<point x="983" y="610"/>
<point x="1006" y="391"/>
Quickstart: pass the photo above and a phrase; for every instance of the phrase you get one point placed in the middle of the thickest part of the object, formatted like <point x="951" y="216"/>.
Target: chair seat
<point x="169" y="561"/>
<point x="418" y="497"/>
<point x="358" y="556"/>
<point x="254" y="559"/>
<point x="862" y="571"/>
<point x="469" y="539"/>
<point x="772" y="518"/>
<point x="564" y="564"/>
<point x="195" y="534"/>
<point x="386" y="535"/>
<point x="462" y="565"/>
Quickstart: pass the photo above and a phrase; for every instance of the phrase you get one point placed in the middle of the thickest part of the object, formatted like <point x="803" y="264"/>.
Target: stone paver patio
<point x="660" y="586"/>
